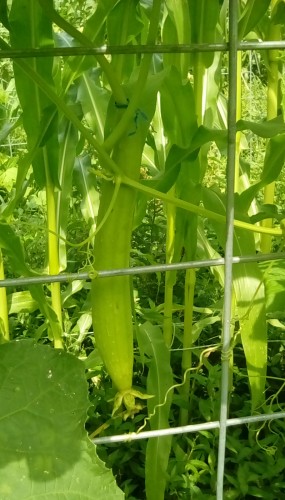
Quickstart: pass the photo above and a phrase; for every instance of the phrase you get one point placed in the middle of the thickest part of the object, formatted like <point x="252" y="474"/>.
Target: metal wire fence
<point x="232" y="47"/>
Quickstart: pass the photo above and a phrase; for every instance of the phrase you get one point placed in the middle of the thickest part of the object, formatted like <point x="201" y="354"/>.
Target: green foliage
<point x="47" y="451"/>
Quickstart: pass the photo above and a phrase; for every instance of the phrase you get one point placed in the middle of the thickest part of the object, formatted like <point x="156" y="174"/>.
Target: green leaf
<point x="178" y="154"/>
<point x="15" y="252"/>
<point x="49" y="314"/>
<point x="24" y="164"/>
<point x="73" y="287"/>
<point x="276" y="323"/>
<point x="201" y="324"/>
<point x="169" y="36"/>
<point x="187" y="188"/>
<point x="94" y="31"/>
<point x="31" y="28"/>
<point x="205" y="134"/>
<point x="21" y="302"/>
<point x="177" y="30"/>
<point x="96" y="21"/>
<point x="278" y="13"/>
<point x="94" y="101"/>
<point x="179" y="126"/>
<point x="266" y="211"/>
<point x="273" y="163"/>
<point x="4" y="14"/>
<point x="68" y="140"/>
<point x="205" y="250"/>
<point x="204" y="17"/>
<point x="126" y="15"/>
<point x="249" y="292"/>
<point x="45" y="449"/>
<point x="159" y="381"/>
<point x="251" y="15"/>
<point x="93" y="360"/>
<point x="266" y="129"/>
<point x="274" y="278"/>
<point x="12" y="244"/>
<point x="85" y="181"/>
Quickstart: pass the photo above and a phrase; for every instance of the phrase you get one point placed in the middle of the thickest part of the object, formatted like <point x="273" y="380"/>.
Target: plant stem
<point x="190" y="279"/>
<point x="272" y="110"/>
<point x="4" y="323"/>
<point x="203" y="212"/>
<point x="170" y="276"/>
<point x="199" y="72"/>
<point x="238" y="117"/>
<point x="53" y="253"/>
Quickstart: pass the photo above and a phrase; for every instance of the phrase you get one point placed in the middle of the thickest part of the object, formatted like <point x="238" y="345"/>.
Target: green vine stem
<point x="190" y="279"/>
<point x="170" y="276"/>
<point x="4" y="323"/>
<point x="53" y="257"/>
<point x="238" y="117"/>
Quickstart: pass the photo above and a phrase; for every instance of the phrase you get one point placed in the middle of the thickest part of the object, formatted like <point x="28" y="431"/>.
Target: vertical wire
<point x="226" y="336"/>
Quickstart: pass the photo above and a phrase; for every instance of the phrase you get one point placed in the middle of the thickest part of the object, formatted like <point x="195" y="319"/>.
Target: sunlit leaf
<point x="273" y="163"/>
<point x="249" y="291"/>
<point x="274" y="279"/>
<point x="265" y="129"/>
<point x="13" y="247"/>
<point x="85" y="181"/>
<point x="31" y="28"/>
<point x="68" y="139"/>
<point x="204" y="17"/>
<point x="94" y="100"/>
<point x="21" y="302"/>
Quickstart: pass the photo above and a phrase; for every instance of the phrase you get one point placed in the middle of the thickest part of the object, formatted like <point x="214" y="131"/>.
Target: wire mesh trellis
<point x="232" y="48"/>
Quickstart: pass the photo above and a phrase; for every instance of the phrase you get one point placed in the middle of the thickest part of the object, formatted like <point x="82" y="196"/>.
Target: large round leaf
<point x="44" y="448"/>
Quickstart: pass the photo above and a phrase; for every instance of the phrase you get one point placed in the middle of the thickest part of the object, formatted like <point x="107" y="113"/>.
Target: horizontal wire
<point x="136" y="49"/>
<point x="186" y="429"/>
<point x="155" y="268"/>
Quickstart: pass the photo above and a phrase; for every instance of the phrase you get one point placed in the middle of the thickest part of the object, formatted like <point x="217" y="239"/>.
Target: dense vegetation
<point x="118" y="160"/>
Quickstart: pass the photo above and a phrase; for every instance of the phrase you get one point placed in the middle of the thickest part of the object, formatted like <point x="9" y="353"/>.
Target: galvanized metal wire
<point x="25" y="53"/>
<point x="186" y="429"/>
<point x="136" y="270"/>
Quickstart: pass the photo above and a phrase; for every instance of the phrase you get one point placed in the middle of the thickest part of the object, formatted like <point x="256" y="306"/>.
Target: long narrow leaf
<point x="94" y="100"/>
<point x="273" y="163"/>
<point x="158" y="383"/>
<point x="250" y="297"/>
<point x="31" y="28"/>
<point x="251" y="15"/>
<point x="68" y="138"/>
